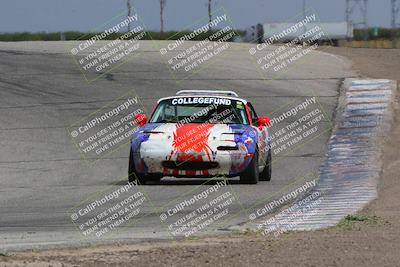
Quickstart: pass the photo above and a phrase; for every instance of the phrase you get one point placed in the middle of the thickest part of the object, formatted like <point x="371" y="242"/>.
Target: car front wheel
<point x="251" y="173"/>
<point x="266" y="174"/>
<point x="132" y="174"/>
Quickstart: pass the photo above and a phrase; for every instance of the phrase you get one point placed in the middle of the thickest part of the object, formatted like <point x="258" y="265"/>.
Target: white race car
<point x="201" y="133"/>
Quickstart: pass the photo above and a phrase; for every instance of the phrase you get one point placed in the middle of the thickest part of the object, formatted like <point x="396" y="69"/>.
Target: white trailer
<point x="287" y="32"/>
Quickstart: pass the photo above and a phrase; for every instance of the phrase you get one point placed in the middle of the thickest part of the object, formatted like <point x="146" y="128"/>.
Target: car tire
<point x="251" y="174"/>
<point x="155" y="178"/>
<point x="133" y="176"/>
<point x="266" y="174"/>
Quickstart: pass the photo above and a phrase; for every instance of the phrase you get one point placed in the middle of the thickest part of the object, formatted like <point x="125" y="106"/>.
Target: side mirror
<point x="141" y="119"/>
<point x="264" y="121"/>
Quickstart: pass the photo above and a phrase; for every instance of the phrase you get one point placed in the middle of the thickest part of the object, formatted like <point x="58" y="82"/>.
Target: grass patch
<point x="350" y="221"/>
<point x="5" y="254"/>
<point x="193" y="238"/>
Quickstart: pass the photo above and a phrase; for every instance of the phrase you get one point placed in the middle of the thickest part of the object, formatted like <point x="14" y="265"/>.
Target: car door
<point x="261" y="135"/>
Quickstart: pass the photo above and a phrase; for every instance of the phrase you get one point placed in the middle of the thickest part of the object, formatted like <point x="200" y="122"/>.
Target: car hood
<point x="195" y="137"/>
<point x="194" y="129"/>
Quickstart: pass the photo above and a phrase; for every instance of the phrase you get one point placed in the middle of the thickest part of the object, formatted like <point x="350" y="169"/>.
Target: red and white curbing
<point x="349" y="176"/>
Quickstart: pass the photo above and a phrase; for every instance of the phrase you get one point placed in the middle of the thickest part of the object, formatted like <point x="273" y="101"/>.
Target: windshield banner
<point x="201" y="100"/>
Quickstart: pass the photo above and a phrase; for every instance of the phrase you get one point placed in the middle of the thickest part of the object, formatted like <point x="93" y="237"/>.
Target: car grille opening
<point x="228" y="148"/>
<point x="190" y="165"/>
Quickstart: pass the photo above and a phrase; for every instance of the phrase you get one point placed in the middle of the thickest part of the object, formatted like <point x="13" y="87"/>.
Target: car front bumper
<point x="220" y="163"/>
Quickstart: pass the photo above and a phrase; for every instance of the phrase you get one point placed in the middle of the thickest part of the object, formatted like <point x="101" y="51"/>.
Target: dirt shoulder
<point x="370" y="238"/>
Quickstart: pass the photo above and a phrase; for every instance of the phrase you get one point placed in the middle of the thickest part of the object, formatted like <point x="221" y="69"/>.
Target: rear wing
<point x="207" y="92"/>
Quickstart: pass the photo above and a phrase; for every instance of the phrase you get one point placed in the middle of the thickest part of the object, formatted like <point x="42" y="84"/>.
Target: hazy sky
<point x="85" y="15"/>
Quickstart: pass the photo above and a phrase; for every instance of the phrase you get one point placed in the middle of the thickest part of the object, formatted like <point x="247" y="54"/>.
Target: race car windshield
<point x="200" y="110"/>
